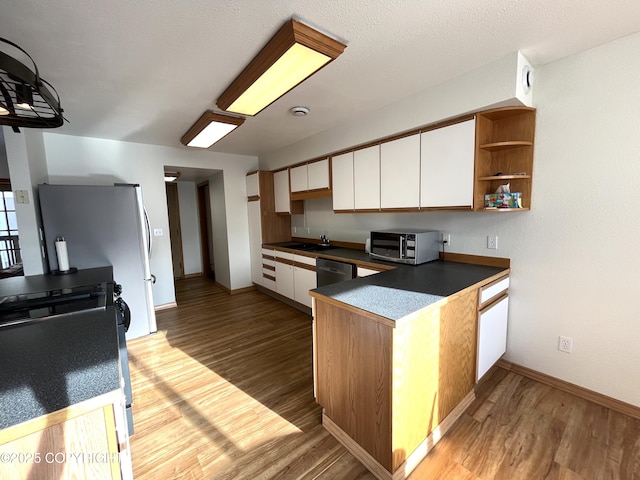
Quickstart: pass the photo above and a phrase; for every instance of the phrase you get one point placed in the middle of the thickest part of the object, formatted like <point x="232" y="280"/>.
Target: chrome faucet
<point x="324" y="240"/>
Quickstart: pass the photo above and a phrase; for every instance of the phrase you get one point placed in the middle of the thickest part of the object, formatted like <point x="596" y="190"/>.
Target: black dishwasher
<point x="332" y="271"/>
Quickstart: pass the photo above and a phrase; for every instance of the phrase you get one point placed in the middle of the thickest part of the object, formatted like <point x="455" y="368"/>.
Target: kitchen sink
<point x="311" y="247"/>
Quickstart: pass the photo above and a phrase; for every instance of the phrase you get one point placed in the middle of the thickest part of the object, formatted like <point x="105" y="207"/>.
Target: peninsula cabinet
<point x="447" y="164"/>
<point x="493" y="314"/>
<point x="390" y="389"/>
<point x="400" y="173"/>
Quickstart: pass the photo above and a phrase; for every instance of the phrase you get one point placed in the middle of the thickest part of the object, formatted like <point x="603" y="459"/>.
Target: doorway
<point x="206" y="235"/>
<point x="175" y="230"/>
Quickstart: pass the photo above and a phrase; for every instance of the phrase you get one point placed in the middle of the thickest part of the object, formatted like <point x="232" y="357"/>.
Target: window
<point x="9" y="239"/>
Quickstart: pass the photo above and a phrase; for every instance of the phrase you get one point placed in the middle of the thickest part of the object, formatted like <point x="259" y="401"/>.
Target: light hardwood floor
<point x="224" y="391"/>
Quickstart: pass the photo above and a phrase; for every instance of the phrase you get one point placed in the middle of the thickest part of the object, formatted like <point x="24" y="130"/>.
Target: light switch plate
<point x="157" y="232"/>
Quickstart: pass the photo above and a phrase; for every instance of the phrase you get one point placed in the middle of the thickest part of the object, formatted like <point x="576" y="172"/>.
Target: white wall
<point x="493" y="84"/>
<point x="96" y="161"/>
<point x="4" y="164"/>
<point x="190" y="227"/>
<point x="219" y="229"/>
<point x="574" y="255"/>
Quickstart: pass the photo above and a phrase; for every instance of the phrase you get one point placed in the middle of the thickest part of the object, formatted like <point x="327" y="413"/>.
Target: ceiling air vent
<point x="26" y="99"/>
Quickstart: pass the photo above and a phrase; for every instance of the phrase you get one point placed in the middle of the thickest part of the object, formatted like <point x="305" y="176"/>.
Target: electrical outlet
<point x="445" y="238"/>
<point x="157" y="232"/>
<point x="565" y="344"/>
<point x="492" y="242"/>
<point x="308" y="230"/>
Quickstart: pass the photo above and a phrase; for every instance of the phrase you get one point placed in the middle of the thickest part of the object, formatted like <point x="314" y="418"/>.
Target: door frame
<point x="173" y="209"/>
<point x="205" y="241"/>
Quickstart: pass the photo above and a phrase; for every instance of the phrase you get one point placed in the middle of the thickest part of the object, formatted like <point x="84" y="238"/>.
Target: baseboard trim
<point x="243" y="290"/>
<point x="414" y="459"/>
<point x="193" y="275"/>
<point x="165" y="306"/>
<point x="584" y="393"/>
<point x="283" y="299"/>
<point x="355" y="449"/>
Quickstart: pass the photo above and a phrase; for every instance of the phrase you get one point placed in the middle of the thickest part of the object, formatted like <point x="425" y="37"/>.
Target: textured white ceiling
<point x="145" y="70"/>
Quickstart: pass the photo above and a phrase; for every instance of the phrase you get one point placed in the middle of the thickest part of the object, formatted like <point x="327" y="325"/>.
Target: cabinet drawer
<point x="301" y="259"/>
<point x="284" y="256"/>
<point x="493" y="290"/>
<point x="268" y="253"/>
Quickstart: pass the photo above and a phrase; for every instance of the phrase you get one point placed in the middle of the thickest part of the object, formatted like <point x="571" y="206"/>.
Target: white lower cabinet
<point x="284" y="274"/>
<point x="304" y="280"/>
<point x="492" y="334"/>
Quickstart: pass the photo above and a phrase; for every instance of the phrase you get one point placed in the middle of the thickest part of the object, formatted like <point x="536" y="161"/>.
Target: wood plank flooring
<point x="224" y="391"/>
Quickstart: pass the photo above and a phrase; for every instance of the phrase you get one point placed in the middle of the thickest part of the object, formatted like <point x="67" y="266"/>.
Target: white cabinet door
<point x="365" y="272"/>
<point x="299" y="178"/>
<point x="281" y="191"/>
<point x="284" y="280"/>
<point x="342" y="180"/>
<point x="447" y="156"/>
<point x="304" y="280"/>
<point x="366" y="177"/>
<point x="400" y="173"/>
<point x="253" y="186"/>
<point x="318" y="174"/>
<point x="492" y="335"/>
<point x="268" y="269"/>
<point x="255" y="241"/>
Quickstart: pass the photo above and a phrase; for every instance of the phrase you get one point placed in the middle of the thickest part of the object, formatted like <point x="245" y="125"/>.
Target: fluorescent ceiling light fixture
<point x="210" y="128"/>
<point x="171" y="176"/>
<point x="295" y="53"/>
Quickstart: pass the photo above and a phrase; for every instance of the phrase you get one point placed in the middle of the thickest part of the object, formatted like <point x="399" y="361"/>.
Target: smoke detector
<point x="299" y="111"/>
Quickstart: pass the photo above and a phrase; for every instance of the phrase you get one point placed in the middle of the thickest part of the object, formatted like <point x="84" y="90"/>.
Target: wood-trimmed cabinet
<point x="356" y="180"/>
<point x="265" y="226"/>
<point x="311" y="180"/>
<point x="493" y="315"/>
<point x="87" y="440"/>
<point x="295" y="276"/>
<point x="400" y="173"/>
<point x="504" y="154"/>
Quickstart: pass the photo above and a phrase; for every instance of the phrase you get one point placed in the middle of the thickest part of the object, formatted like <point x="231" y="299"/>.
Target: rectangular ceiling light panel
<point x="210" y="128"/>
<point x="295" y="53"/>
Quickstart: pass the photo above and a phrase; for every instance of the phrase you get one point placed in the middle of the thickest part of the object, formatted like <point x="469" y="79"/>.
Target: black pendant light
<point x="26" y="99"/>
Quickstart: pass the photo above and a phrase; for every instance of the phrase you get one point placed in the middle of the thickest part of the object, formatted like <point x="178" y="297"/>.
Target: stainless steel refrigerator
<point x="104" y="225"/>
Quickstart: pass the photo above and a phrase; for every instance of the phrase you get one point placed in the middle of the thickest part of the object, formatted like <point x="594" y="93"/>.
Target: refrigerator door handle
<point x="148" y="232"/>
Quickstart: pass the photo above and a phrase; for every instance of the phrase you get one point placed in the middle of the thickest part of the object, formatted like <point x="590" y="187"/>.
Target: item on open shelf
<point x="506" y="188"/>
<point x="503" y="200"/>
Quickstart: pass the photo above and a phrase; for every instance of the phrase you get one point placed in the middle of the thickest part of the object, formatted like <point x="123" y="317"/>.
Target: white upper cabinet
<point x="299" y="181"/>
<point x="342" y="177"/>
<point x="318" y="174"/>
<point x="447" y="160"/>
<point x="400" y="173"/>
<point x="366" y="174"/>
<point x="253" y="186"/>
<point x="281" y="191"/>
<point x="311" y="176"/>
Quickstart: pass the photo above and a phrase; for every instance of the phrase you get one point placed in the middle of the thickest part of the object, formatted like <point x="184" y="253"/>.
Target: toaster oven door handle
<point x="401" y="252"/>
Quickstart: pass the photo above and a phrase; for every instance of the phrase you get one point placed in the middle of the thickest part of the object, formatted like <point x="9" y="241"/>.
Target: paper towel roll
<point x="63" y="256"/>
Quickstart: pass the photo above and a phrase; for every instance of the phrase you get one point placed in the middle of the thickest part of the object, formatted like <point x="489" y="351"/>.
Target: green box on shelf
<point x="503" y="200"/>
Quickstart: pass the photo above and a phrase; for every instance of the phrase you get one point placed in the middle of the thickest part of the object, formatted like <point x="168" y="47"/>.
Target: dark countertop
<point x="395" y="294"/>
<point x="40" y="283"/>
<point x="51" y="364"/>
<point x="402" y="289"/>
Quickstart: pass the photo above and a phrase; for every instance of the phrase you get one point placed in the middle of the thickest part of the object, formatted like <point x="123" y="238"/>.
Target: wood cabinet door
<point x="400" y="173"/>
<point x="492" y="335"/>
<point x="299" y="182"/>
<point x="318" y="175"/>
<point x="366" y="177"/>
<point x="342" y="180"/>
<point x="447" y="161"/>
<point x="281" y="191"/>
<point x="253" y="188"/>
